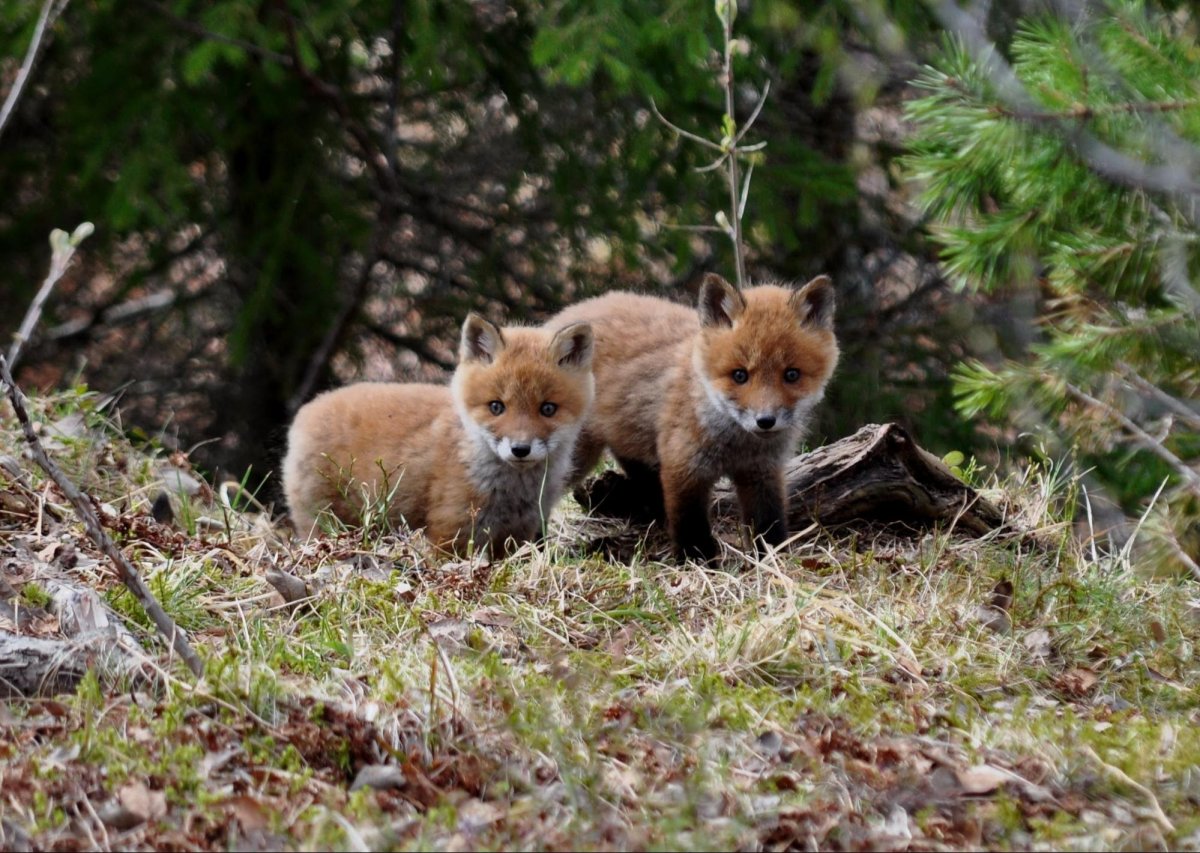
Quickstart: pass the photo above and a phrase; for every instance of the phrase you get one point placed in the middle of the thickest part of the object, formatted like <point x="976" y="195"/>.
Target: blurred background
<point x="291" y="195"/>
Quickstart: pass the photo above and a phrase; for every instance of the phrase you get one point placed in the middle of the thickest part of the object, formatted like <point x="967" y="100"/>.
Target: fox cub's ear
<point x="814" y="303"/>
<point x="720" y="302"/>
<point x="573" y="346"/>
<point x="481" y="341"/>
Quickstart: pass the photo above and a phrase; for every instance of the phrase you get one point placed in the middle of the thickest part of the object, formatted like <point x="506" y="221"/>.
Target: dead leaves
<point x="141" y="802"/>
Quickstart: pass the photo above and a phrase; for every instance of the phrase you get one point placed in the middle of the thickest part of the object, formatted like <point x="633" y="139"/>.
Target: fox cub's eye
<point x="791" y="375"/>
<point x="548" y="409"/>
<point x="496" y="407"/>
<point x="741" y="376"/>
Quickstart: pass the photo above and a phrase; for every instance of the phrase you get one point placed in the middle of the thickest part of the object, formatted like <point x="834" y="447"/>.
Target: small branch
<point x="735" y="226"/>
<point x="1140" y="436"/>
<point x="207" y="34"/>
<point x="707" y="143"/>
<point x="762" y="102"/>
<point x="91" y="522"/>
<point x="1082" y="112"/>
<point x="1177" y="407"/>
<point x="62" y="249"/>
<point x="334" y="334"/>
<point x="14" y="94"/>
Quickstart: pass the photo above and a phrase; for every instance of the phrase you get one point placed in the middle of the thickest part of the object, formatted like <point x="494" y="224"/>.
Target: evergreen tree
<point x="1066" y="168"/>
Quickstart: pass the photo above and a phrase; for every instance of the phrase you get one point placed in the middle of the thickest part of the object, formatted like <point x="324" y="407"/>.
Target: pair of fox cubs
<point x="680" y="396"/>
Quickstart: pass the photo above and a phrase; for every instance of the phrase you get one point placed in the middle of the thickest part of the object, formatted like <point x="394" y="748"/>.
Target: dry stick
<point x="91" y="522"/>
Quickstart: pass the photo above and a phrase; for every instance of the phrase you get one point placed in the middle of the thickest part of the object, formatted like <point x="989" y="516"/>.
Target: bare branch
<point x="62" y="249"/>
<point x="91" y="523"/>
<point x="35" y="44"/>
<point x="735" y="226"/>
<point x="762" y="102"/>
<point x="1142" y="438"/>
<point x="1175" y="406"/>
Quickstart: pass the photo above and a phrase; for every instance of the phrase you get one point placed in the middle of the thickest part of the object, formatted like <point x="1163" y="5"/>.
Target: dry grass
<point x="845" y="694"/>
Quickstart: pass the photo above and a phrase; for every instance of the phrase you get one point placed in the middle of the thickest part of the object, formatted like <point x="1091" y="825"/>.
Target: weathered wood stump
<point x="879" y="475"/>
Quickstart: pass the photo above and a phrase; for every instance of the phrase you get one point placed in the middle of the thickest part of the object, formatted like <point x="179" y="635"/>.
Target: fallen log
<point x="878" y="475"/>
<point x="38" y="666"/>
<point x="94" y="638"/>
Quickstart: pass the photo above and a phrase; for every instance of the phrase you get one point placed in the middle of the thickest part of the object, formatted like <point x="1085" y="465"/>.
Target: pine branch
<point x="1168" y="179"/>
<point x="85" y="509"/>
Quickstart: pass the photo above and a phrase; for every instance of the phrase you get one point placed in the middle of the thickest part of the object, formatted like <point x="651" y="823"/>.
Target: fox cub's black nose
<point x="520" y="450"/>
<point x="766" y="422"/>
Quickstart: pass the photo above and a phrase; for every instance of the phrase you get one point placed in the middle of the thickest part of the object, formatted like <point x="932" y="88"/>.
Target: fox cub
<point x="684" y="397"/>
<point x="485" y="459"/>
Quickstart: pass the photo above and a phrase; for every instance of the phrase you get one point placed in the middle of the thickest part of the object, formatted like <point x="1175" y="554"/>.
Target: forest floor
<point x="858" y="691"/>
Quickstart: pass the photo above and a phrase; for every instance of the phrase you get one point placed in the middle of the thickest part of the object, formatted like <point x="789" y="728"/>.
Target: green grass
<point x="835" y="696"/>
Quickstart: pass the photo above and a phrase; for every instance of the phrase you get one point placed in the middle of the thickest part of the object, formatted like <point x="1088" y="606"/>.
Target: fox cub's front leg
<point x="764" y="504"/>
<point x="687" y="499"/>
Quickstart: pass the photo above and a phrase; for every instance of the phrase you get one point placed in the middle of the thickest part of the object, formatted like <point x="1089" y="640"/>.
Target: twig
<point x="1121" y="776"/>
<point x="707" y="143"/>
<point x="91" y="522"/>
<point x="220" y="38"/>
<point x="14" y="94"/>
<point x="729" y="148"/>
<point x="1178" y="407"/>
<point x="62" y="249"/>
<point x="727" y="11"/>
<point x="1143" y="438"/>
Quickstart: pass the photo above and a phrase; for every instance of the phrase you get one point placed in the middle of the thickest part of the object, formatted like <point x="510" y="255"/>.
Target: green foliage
<point x="1018" y="208"/>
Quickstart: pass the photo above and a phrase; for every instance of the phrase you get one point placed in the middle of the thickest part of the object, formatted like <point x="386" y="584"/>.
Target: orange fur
<point x="667" y="400"/>
<point x="438" y="456"/>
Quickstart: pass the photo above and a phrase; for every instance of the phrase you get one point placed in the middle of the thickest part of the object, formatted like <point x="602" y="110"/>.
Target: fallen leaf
<point x="1002" y="595"/>
<point x="981" y="779"/>
<point x="474" y="815"/>
<point x="250" y="813"/>
<point x="770" y="742"/>
<point x="1158" y="631"/>
<point x="1077" y="681"/>
<point x="379" y="777"/>
<point x="494" y="617"/>
<point x="910" y="666"/>
<point x="1037" y="642"/>
<point x="141" y="801"/>
<point x="994" y="618"/>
